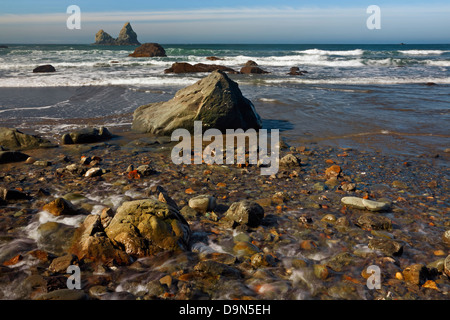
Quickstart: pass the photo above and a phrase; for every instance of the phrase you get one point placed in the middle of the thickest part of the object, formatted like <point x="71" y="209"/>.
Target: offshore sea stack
<point x="149" y="50"/>
<point x="127" y="37"/>
<point x="184" y="67"/>
<point x="216" y="100"/>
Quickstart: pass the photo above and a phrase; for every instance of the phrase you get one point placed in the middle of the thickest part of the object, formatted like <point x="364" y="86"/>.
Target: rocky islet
<point x="127" y="37"/>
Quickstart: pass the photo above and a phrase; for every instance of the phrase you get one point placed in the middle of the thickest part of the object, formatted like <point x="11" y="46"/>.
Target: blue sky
<point x="232" y="21"/>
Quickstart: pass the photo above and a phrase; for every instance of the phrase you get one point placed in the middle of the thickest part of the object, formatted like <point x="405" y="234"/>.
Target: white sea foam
<point x="267" y="100"/>
<point x="79" y="80"/>
<point x="73" y="221"/>
<point x="422" y="52"/>
<point x="439" y="63"/>
<point x="356" y="81"/>
<point x="31" y="230"/>
<point x="356" y="52"/>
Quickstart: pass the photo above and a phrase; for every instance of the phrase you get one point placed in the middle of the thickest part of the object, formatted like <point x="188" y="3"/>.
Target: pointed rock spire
<point x="126" y="37"/>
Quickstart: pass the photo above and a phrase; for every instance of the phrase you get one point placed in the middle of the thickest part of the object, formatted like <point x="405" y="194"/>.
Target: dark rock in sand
<point x="60" y="264"/>
<point x="245" y="212"/>
<point x="44" y="69"/>
<point x="215" y="100"/>
<point x="12" y="156"/>
<point x="289" y="160"/>
<point x="386" y="246"/>
<point x="14" y="139"/>
<point x="217" y="269"/>
<point x="145" y="170"/>
<point x="11" y="194"/>
<point x="184" y="67"/>
<point x="374" y="221"/>
<point x="87" y="135"/>
<point x="340" y="261"/>
<point x="148" y="50"/>
<point x="147" y="227"/>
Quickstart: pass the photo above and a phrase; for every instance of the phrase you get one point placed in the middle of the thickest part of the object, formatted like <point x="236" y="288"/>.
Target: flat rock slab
<point x="360" y="203"/>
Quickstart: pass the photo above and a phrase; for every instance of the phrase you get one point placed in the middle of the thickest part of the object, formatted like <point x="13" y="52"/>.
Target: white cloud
<point x="239" y="24"/>
<point x="185" y="15"/>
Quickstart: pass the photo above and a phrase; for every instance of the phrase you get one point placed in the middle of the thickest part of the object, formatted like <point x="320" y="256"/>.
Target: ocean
<point x="393" y="99"/>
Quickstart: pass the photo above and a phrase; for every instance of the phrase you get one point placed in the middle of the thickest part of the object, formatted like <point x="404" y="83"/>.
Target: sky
<point x="231" y="21"/>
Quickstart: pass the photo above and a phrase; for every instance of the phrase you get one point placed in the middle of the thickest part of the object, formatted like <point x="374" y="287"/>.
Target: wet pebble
<point x="386" y="246"/>
<point x="203" y="203"/>
<point x="370" y="221"/>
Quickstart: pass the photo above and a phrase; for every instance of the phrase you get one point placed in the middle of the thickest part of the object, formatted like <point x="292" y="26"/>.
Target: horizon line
<point x="229" y="43"/>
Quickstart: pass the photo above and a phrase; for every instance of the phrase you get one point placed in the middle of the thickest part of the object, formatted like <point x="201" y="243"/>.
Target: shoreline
<point x="399" y="130"/>
<point x="313" y="247"/>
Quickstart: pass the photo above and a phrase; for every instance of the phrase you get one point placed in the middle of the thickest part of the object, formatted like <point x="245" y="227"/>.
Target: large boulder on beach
<point x="147" y="227"/>
<point x="17" y="140"/>
<point x="127" y="36"/>
<point x="216" y="100"/>
<point x="90" y="242"/>
<point x="184" y="67"/>
<point x="87" y="135"/>
<point x="149" y="50"/>
<point x="44" y="69"/>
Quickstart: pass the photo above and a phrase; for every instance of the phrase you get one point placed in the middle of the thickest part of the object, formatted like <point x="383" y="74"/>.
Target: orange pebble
<point x="134" y="175"/>
<point x="439" y="253"/>
<point x="13" y="260"/>
<point x="430" y="284"/>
